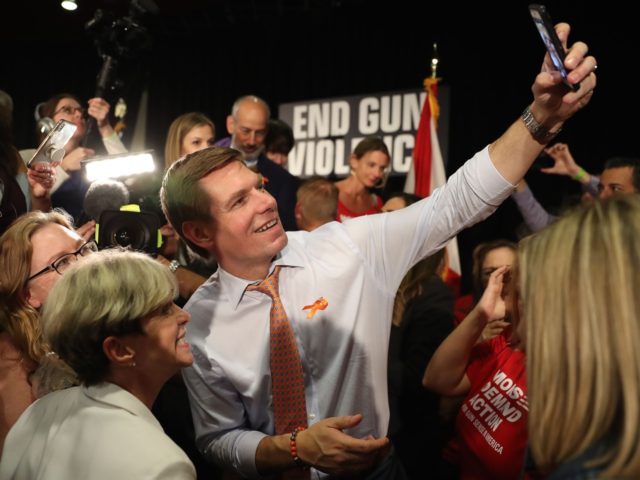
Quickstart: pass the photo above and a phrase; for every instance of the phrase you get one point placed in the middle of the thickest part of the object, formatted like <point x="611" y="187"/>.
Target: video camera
<point x="129" y="227"/>
<point x="121" y="37"/>
<point x="120" y="223"/>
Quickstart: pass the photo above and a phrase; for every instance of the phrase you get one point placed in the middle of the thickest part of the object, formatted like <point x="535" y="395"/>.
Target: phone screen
<point x="545" y="27"/>
<point x="52" y="147"/>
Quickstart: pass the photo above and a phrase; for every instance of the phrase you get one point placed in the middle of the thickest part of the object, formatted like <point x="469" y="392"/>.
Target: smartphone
<point x="52" y="147"/>
<point x="548" y="33"/>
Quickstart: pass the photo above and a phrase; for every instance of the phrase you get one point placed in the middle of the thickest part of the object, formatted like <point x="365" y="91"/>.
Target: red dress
<point x="344" y="213"/>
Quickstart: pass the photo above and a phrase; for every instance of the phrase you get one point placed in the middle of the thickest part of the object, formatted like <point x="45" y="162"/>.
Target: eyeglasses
<point x="69" y="110"/>
<point x="62" y="263"/>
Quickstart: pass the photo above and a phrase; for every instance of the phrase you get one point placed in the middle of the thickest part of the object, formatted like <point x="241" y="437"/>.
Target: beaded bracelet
<point x="294" y="449"/>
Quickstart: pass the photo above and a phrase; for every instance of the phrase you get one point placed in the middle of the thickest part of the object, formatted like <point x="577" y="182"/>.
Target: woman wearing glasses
<point x="70" y="187"/>
<point x="34" y="252"/>
<point x="124" y="343"/>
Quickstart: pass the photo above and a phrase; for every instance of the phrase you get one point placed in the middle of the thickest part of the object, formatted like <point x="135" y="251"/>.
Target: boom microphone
<point x="104" y="195"/>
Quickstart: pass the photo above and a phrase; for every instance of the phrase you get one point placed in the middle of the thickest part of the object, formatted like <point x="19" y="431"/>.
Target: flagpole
<point x="452" y="272"/>
<point x="434" y="61"/>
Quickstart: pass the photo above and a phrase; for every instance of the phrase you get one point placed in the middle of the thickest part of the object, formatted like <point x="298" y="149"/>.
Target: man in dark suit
<point x="247" y="125"/>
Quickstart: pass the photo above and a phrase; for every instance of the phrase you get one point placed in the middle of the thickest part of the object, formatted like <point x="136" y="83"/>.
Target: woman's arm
<point x="445" y="373"/>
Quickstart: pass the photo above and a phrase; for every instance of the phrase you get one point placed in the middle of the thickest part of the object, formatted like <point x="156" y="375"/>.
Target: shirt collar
<point x="116" y="396"/>
<point x="236" y="287"/>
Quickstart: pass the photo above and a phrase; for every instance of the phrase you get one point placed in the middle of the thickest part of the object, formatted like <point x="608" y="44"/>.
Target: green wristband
<point x="580" y="175"/>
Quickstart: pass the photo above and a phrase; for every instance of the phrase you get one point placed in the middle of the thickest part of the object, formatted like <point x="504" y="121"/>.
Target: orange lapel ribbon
<point x="319" y="304"/>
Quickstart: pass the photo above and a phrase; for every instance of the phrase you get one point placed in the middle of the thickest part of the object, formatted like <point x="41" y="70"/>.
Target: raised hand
<point x="99" y="109"/>
<point x="491" y="306"/>
<point x="564" y="164"/>
<point x="553" y="102"/>
<point x="87" y="230"/>
<point x="41" y="178"/>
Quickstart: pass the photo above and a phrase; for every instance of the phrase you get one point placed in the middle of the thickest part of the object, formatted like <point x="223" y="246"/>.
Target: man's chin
<point x="253" y="155"/>
<point x="281" y="237"/>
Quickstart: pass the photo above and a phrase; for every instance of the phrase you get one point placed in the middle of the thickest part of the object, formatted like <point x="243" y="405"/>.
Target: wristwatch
<point x="539" y="132"/>
<point x="173" y="266"/>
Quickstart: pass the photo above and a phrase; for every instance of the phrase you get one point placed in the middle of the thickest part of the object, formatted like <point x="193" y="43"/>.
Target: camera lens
<point x="123" y="237"/>
<point x="135" y="230"/>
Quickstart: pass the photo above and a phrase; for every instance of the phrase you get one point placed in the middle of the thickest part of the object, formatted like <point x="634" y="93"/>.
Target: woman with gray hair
<point x="124" y="338"/>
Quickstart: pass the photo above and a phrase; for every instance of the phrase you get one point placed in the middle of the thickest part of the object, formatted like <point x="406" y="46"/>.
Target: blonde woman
<point x="188" y="133"/>
<point x="34" y="252"/>
<point x="582" y="314"/>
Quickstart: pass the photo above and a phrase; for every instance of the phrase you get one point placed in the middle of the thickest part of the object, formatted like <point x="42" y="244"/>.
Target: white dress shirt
<point x="100" y="432"/>
<point x="357" y="267"/>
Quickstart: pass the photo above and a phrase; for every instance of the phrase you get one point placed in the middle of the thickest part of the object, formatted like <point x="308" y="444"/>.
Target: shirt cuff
<point x="246" y="447"/>
<point x="113" y="144"/>
<point x="492" y="188"/>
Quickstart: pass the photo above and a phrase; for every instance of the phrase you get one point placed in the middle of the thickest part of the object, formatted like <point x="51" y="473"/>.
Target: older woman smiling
<point x="124" y="338"/>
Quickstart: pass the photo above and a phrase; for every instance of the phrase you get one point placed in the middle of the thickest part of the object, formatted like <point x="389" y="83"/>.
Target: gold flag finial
<point x="434" y="61"/>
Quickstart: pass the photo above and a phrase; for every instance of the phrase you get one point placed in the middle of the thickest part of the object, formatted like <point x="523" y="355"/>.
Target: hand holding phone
<point x="52" y="147"/>
<point x="556" y="51"/>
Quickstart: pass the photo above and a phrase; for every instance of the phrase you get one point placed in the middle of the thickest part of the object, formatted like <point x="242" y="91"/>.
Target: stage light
<point x="118" y="166"/>
<point x="70" y="5"/>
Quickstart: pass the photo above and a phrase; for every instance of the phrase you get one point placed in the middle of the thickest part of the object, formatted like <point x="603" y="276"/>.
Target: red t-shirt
<point x="344" y="213"/>
<point x="461" y="308"/>
<point x="492" y="422"/>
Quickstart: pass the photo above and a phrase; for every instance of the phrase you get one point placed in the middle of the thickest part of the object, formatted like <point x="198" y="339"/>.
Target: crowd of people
<point x="303" y="328"/>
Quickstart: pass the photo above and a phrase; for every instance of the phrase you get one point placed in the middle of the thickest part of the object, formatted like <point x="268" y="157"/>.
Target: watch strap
<point x="539" y="132"/>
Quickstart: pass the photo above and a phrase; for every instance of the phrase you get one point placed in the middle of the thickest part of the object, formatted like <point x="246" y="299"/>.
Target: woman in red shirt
<point x="491" y="426"/>
<point x="369" y="163"/>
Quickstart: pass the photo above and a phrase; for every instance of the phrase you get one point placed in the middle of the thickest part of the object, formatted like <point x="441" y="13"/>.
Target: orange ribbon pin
<point x="319" y="304"/>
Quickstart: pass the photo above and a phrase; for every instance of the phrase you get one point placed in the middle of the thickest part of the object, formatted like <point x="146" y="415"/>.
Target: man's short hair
<point x="318" y="200"/>
<point x="182" y="197"/>
<point x="621" y="162"/>
<point x="253" y="98"/>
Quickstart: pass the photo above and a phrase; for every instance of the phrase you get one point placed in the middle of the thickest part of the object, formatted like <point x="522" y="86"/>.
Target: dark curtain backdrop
<point x="206" y="54"/>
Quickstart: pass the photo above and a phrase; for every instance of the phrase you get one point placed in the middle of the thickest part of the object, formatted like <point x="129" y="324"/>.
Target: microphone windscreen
<point x="104" y="195"/>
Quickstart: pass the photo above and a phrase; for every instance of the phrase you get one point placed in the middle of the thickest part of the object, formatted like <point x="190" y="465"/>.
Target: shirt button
<point x="312" y="416"/>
